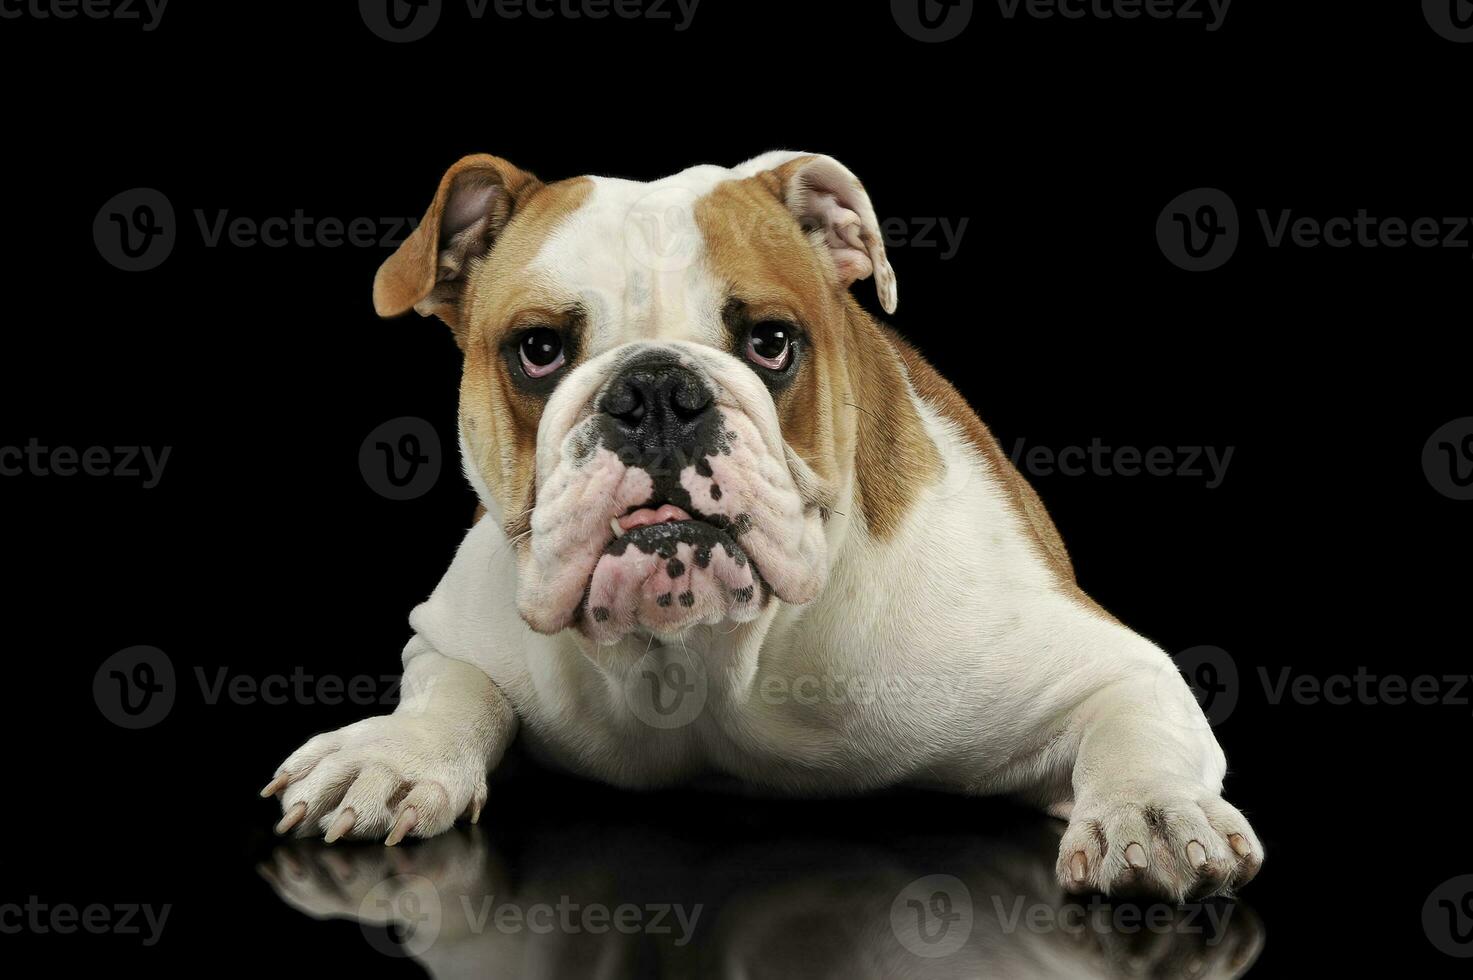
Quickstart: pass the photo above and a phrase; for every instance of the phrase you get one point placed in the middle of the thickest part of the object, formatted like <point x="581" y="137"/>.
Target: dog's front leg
<point x="1148" y="814"/>
<point x="412" y="772"/>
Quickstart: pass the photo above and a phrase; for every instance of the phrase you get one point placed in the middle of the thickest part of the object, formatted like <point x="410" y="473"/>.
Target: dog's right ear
<point x="477" y="197"/>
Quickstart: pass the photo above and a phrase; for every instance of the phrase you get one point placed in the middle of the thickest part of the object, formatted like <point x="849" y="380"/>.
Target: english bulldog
<point x="735" y="528"/>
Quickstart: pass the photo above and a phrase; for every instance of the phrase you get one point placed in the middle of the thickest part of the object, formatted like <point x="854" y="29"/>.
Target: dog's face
<point x="657" y="402"/>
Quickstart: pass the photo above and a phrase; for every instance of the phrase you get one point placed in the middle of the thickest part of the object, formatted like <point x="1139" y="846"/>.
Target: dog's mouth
<point x="668" y="567"/>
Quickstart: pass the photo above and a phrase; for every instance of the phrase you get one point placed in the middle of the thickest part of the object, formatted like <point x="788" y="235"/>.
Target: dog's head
<point x="657" y="402"/>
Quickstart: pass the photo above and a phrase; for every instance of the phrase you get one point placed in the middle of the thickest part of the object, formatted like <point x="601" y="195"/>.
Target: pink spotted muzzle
<point x="666" y="571"/>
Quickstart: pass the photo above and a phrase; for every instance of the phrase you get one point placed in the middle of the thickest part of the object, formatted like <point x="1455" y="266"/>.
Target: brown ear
<point x="477" y="197"/>
<point x="831" y="204"/>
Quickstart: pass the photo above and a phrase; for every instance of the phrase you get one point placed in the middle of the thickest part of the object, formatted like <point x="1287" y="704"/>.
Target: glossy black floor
<point x="692" y="886"/>
<point x="1332" y="548"/>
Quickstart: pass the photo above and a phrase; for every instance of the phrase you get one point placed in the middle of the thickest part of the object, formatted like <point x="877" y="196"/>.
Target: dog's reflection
<point x="636" y="901"/>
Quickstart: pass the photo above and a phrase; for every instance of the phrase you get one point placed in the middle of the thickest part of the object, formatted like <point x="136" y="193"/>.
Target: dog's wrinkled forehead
<point x="632" y="259"/>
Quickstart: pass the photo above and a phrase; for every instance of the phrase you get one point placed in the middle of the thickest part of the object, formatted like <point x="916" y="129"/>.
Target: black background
<point x="263" y="550"/>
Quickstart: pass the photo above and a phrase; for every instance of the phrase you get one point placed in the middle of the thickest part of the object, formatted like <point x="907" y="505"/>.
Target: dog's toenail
<point x="291" y="818"/>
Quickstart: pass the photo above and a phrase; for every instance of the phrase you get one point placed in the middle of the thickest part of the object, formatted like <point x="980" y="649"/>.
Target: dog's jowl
<point x="699" y="457"/>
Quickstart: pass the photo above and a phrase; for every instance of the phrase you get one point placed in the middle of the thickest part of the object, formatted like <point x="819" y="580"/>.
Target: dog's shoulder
<point x="941" y="396"/>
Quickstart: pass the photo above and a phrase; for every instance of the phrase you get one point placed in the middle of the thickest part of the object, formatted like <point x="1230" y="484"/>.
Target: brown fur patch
<point x="948" y="402"/>
<point x="849" y="400"/>
<point x="499" y="418"/>
<point x="1033" y="516"/>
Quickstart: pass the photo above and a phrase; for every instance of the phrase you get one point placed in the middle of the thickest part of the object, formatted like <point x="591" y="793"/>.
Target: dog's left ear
<point x="475" y="200"/>
<point x="831" y="205"/>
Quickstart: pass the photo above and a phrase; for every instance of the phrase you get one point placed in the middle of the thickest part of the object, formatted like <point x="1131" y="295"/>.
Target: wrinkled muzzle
<point x="665" y="498"/>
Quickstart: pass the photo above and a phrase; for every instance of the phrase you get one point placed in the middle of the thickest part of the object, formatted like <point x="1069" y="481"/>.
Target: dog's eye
<point x="770" y="345"/>
<point x="542" y="352"/>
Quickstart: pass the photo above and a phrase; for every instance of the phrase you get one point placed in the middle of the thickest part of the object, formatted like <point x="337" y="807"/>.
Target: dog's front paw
<point x="1169" y="844"/>
<point x="382" y="777"/>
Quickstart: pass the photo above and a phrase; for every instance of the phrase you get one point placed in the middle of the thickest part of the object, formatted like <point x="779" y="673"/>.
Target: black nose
<point x="656" y="405"/>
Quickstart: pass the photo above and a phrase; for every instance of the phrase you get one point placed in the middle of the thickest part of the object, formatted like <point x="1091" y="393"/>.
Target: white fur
<point x="947" y="655"/>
